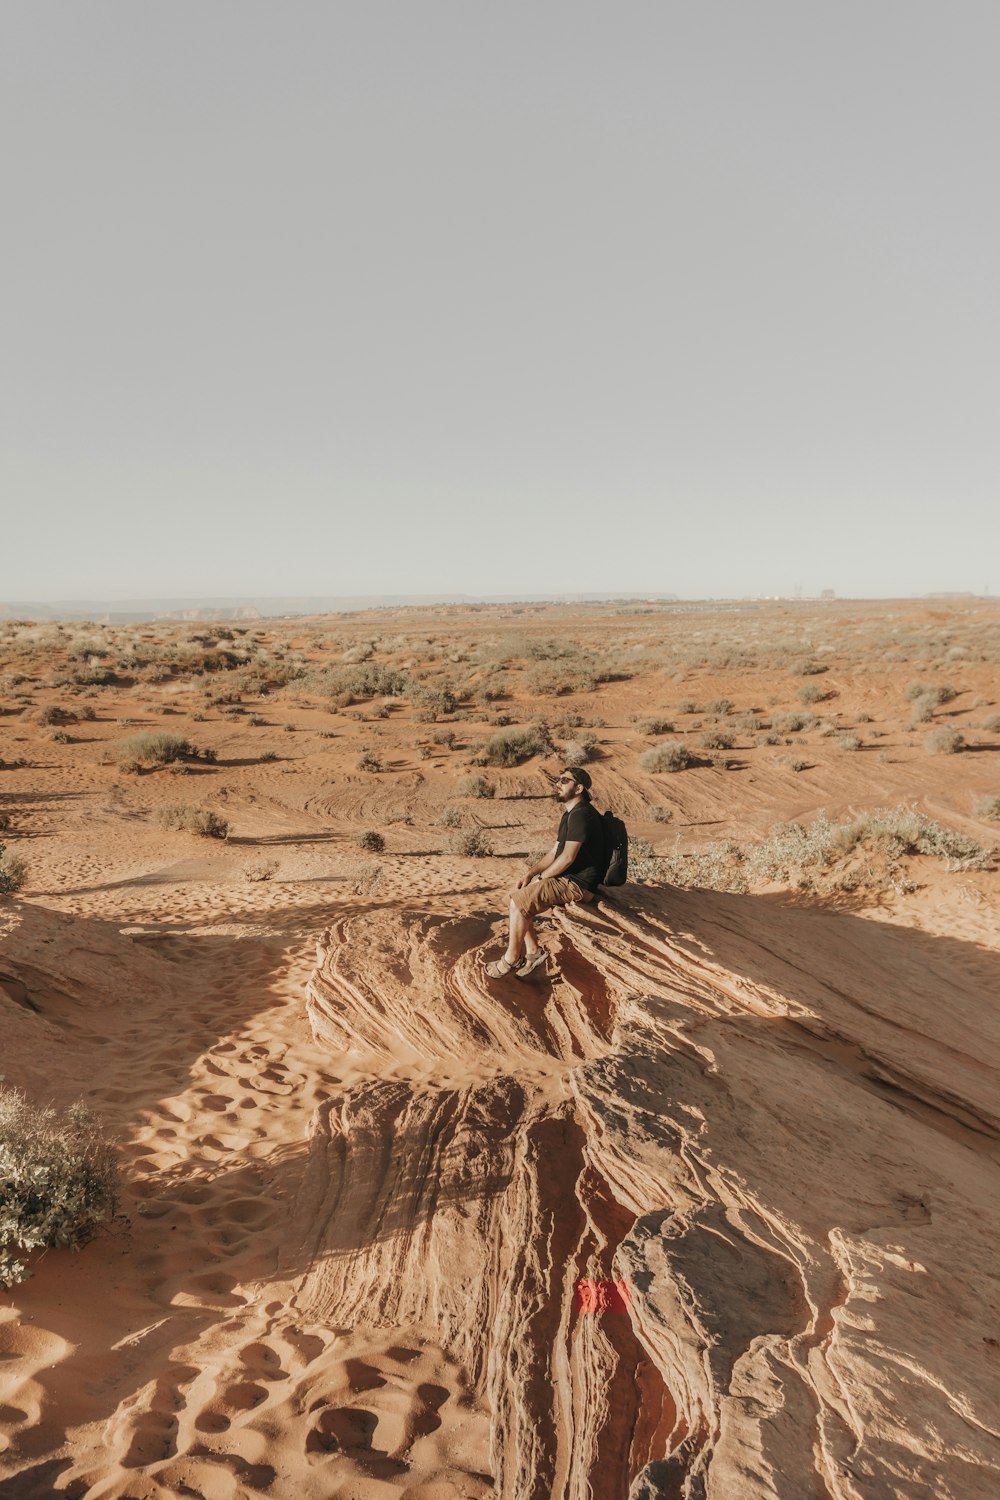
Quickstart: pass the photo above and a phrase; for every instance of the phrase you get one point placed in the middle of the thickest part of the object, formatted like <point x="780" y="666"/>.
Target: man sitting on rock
<point x="571" y="871"/>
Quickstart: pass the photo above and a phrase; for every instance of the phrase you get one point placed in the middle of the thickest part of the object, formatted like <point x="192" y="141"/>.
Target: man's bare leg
<point x="521" y="940"/>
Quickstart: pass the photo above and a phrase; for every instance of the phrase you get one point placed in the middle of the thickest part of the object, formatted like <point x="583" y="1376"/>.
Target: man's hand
<point x="526" y="879"/>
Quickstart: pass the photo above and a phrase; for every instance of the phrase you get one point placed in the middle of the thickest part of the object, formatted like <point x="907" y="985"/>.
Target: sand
<point x="362" y="1185"/>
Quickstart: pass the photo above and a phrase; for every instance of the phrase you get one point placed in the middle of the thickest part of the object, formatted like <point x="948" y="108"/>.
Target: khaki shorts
<point x="540" y="895"/>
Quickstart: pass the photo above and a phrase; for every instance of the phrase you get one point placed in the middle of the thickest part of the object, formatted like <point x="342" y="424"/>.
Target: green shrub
<point x="373" y="842"/>
<point x="13" y="871"/>
<point x="672" y="755"/>
<point x="58" y="1180"/>
<point x="156" y="749"/>
<point x="476" y="786"/>
<point x="180" y="818"/>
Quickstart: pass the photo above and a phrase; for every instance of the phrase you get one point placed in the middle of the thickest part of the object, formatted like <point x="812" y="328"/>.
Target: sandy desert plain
<point x="360" y="1184"/>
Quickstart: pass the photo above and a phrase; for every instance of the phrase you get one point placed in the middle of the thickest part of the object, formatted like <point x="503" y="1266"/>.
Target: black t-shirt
<point x="583" y="823"/>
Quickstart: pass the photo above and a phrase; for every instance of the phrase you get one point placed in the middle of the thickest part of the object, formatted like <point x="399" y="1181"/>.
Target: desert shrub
<point x="157" y="749"/>
<point x="717" y="739"/>
<point x="474" y="843"/>
<point x="260" y="869"/>
<point x="656" y="726"/>
<point x="719" y="705"/>
<point x="510" y="747"/>
<point x="850" y="741"/>
<point x="672" y="755"/>
<point x="180" y="818"/>
<point x="992" y="724"/>
<point x="50" y="713"/>
<point x="811" y="692"/>
<point x="558" y="681"/>
<point x="769" y="739"/>
<point x="935" y="692"/>
<point x="445" y="738"/>
<point x="369" y="761"/>
<point x="798" y="765"/>
<point x="748" y="723"/>
<point x="371" y="841"/>
<point x="450" y="818"/>
<point x="660" y="814"/>
<point x="809" y="668"/>
<point x="58" y="1180"/>
<point x="793" y="722"/>
<point x="577" y="752"/>
<point x="476" y="786"/>
<point x="922" y="711"/>
<point x="13" y="871"/>
<point x="60" y="737"/>
<point x="944" y="741"/>
<point x="988" y="807"/>
<point x="688" y="706"/>
<point x="861" y="853"/>
<point x="865" y="719"/>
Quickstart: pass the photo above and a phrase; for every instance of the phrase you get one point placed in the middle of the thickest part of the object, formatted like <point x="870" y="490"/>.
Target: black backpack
<point x="615" y="850"/>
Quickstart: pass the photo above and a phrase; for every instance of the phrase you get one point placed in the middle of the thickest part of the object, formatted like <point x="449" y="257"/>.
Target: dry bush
<point x="719" y="706"/>
<point x="988" y="807"/>
<point x="717" y="739"/>
<point x="260" y="869"/>
<point x="450" y="818"/>
<point x="50" y="713"/>
<point x="476" y="786"/>
<point x="577" y="752"/>
<point x="371" y="841"/>
<point x="156" y="749"/>
<point x="860" y="854"/>
<point x="850" y="741"/>
<point x="935" y="692"/>
<point x="992" y="724"/>
<point x="13" y="870"/>
<point x="944" y="741"/>
<point x="672" y="755"/>
<point x="808" y="668"/>
<point x="179" y="818"/>
<point x="369" y="761"/>
<point x="656" y="726"/>
<point x="473" y="843"/>
<point x="793" y="722"/>
<point x="811" y="692"/>
<point x="511" y="747"/>
<point x="660" y="814"/>
<point x="58" y="1180"/>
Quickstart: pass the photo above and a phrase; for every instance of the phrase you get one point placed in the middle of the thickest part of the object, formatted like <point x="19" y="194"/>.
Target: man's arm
<point x="563" y="862"/>
<point x="535" y="871"/>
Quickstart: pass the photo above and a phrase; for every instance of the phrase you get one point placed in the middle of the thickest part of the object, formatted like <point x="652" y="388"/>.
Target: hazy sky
<point x="308" y="297"/>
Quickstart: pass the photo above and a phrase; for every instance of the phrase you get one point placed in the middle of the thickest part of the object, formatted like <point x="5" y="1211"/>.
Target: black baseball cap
<point x="579" y="775"/>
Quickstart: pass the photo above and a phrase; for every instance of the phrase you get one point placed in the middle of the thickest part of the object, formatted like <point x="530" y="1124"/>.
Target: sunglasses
<point x="565" y="778"/>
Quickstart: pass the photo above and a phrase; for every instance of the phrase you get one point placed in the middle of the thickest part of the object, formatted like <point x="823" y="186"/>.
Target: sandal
<point x="498" y="968"/>
<point x="536" y="960"/>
